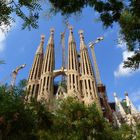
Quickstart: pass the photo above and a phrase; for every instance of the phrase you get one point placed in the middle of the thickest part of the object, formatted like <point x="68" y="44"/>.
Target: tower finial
<point x="81" y="32"/>
<point x="51" y="41"/>
<point x="70" y="28"/>
<point x="82" y="44"/>
<point x="42" y="38"/>
<point x="40" y="47"/>
<point x="52" y="31"/>
<point x="115" y="95"/>
<point x="71" y="38"/>
<point x="126" y="94"/>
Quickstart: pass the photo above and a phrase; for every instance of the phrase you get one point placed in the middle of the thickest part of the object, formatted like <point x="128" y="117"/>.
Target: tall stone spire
<point x="128" y="118"/>
<point x="73" y="79"/>
<point x="119" y="106"/>
<point x="89" y="88"/>
<point x="35" y="72"/>
<point x="46" y="82"/>
<point x="130" y="105"/>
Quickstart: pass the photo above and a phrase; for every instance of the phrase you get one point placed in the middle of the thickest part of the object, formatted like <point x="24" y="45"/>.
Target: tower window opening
<point x="47" y="53"/>
<point x="91" y="95"/>
<point x="72" y="60"/>
<point x="91" y="69"/>
<point x="47" y="83"/>
<point x="86" y="61"/>
<point x="50" y="83"/>
<point x="39" y="68"/>
<point x="40" y="85"/>
<point x="75" y="56"/>
<point x="85" y="84"/>
<point x="32" y="73"/>
<point x="33" y="89"/>
<point x="29" y="90"/>
<point x="37" y="88"/>
<point x="73" y="78"/>
<point x="33" y="69"/>
<point x="50" y="60"/>
<point x="70" y="80"/>
<point x="36" y="68"/>
<point x="95" y="95"/>
<point x="44" y="83"/>
<point x="69" y="58"/>
<point x="77" y="81"/>
<point x="89" y="84"/>
<point x="87" y="94"/>
<point x="83" y="63"/>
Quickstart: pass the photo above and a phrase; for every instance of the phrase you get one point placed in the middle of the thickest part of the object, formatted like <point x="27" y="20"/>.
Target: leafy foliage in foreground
<point x="69" y="120"/>
<point x="27" y="10"/>
<point x="134" y="61"/>
<point x="125" y="13"/>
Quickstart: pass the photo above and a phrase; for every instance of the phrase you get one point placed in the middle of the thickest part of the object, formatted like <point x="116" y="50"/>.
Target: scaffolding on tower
<point x="62" y="88"/>
<point x="101" y="88"/>
<point x="63" y="80"/>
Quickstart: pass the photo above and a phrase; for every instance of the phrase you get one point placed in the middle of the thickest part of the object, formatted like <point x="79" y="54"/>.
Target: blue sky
<point x="19" y="46"/>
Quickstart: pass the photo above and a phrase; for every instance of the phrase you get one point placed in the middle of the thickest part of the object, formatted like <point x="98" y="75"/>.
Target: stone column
<point x="35" y="72"/>
<point x="73" y="78"/>
<point x="89" y="87"/>
<point x="46" y="82"/>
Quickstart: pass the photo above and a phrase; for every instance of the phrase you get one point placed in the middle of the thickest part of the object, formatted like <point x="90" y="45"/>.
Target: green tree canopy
<point x="67" y="120"/>
<point x="125" y="13"/>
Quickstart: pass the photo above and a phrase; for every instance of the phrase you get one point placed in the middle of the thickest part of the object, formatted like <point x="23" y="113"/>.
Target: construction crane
<point x="62" y="84"/>
<point x="64" y="49"/>
<point x="15" y="73"/>
<point x="101" y="88"/>
<point x="92" y="45"/>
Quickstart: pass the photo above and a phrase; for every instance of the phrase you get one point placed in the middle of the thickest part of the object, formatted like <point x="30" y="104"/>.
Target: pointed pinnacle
<point x="51" y="40"/>
<point x="82" y="44"/>
<point x="126" y="94"/>
<point x="70" y="28"/>
<point x="115" y="94"/>
<point x="42" y="38"/>
<point x="40" y="47"/>
<point x="52" y="31"/>
<point x="71" y="38"/>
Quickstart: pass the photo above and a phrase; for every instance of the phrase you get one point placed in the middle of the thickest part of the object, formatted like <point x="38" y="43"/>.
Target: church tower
<point x="88" y="83"/>
<point x="46" y="82"/>
<point x="73" y="81"/>
<point x="35" y="72"/>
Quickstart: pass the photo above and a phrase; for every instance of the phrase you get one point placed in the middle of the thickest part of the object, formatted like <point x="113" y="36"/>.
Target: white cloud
<point x="2" y="39"/>
<point x="121" y="44"/>
<point x="121" y="71"/>
<point x="3" y="35"/>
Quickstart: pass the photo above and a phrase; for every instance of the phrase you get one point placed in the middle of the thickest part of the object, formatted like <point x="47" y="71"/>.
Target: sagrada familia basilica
<point x="80" y="79"/>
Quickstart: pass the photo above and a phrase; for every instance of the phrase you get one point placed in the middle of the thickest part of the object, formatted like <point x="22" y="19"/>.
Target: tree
<point x="11" y="7"/>
<point x="73" y="120"/>
<point x="134" y="61"/>
<point x="16" y="121"/>
<point x="125" y="13"/>
<point x="20" y="119"/>
<point x="69" y="120"/>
